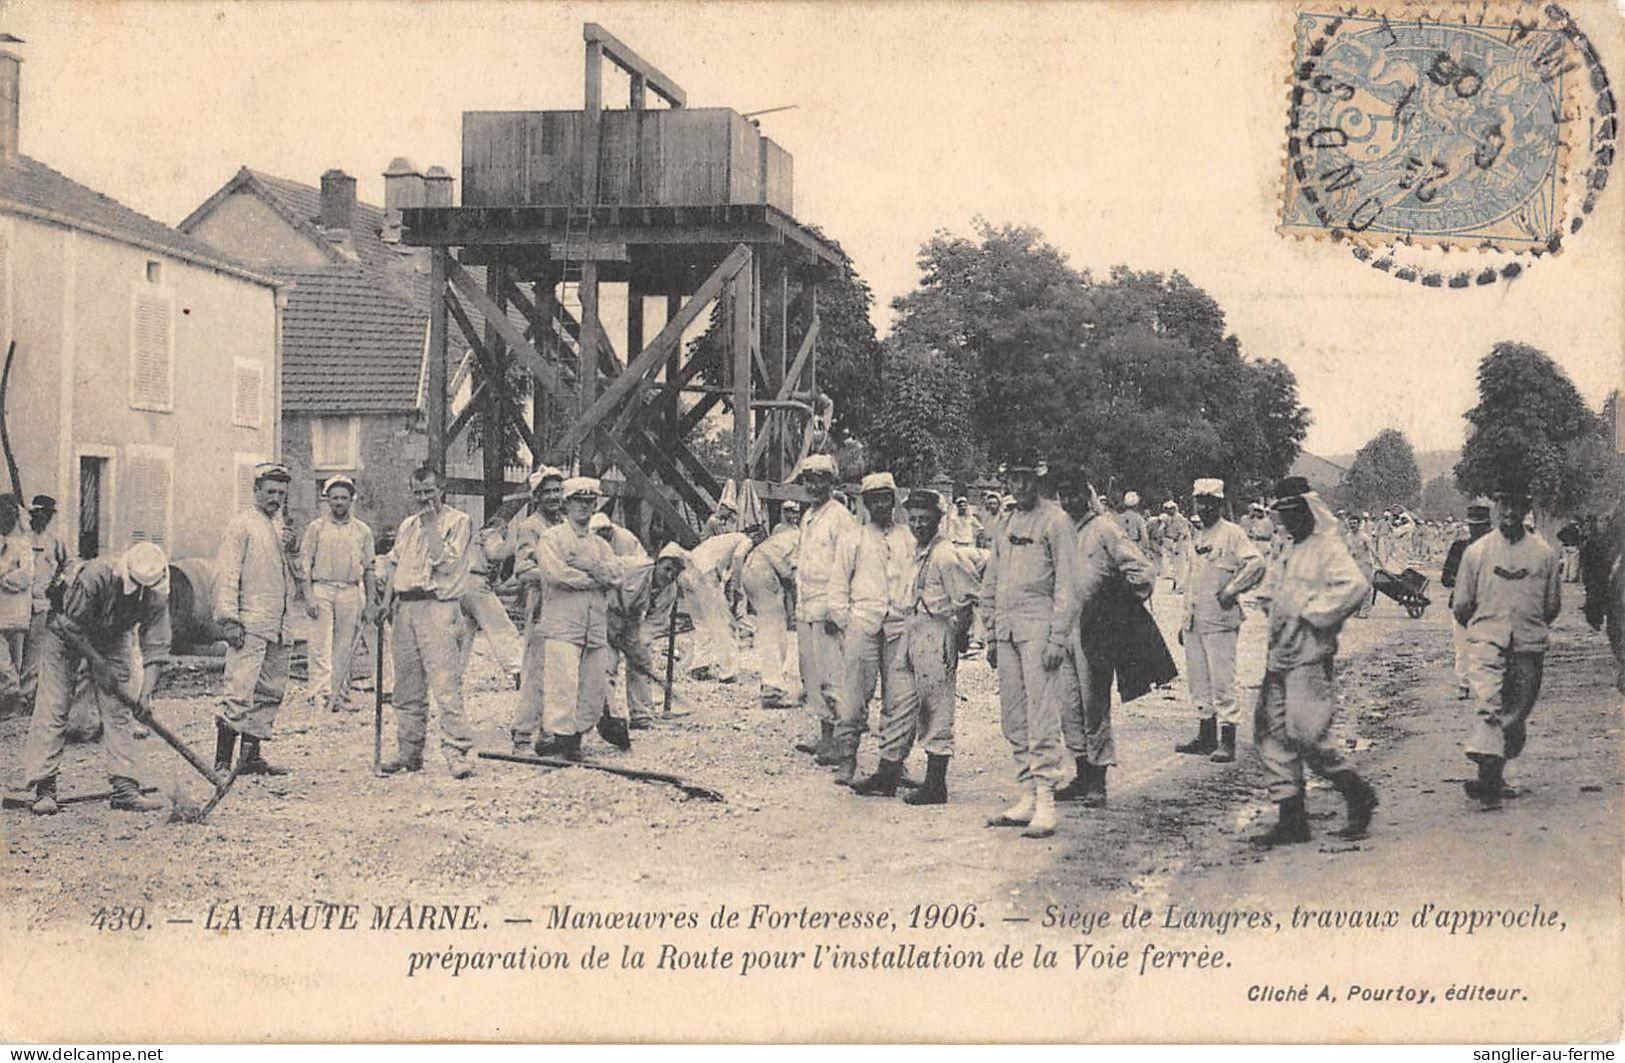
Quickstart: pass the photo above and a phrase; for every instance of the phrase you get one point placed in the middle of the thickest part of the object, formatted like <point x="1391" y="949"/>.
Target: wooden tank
<point x="708" y="156"/>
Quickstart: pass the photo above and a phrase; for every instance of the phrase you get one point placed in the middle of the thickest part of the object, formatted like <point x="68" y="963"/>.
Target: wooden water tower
<point x="692" y="206"/>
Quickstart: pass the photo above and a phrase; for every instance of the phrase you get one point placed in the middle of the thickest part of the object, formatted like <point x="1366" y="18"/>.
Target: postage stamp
<point x="1449" y="131"/>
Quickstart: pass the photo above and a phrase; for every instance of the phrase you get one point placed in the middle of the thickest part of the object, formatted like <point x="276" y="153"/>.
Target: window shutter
<point x="151" y="372"/>
<point x="333" y="442"/>
<point x="147" y="484"/>
<point x="245" y="403"/>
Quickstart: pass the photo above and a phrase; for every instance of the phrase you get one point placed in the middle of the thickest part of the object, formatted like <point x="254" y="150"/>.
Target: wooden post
<point x="587" y="384"/>
<point x="491" y="427"/>
<point x="541" y="417"/>
<point x="435" y="379"/>
<point x="674" y="365"/>
<point x="633" y="516"/>
<point x="640" y="87"/>
<point x="742" y="340"/>
<point x="594" y="97"/>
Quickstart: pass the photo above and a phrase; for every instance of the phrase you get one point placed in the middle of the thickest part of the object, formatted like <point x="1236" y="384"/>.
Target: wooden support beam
<point x="527" y="354"/>
<point x="653" y="354"/>
<point x="742" y="347"/>
<point x="489" y="372"/>
<point x="634" y="64"/>
<point x="649" y="490"/>
<point x="674" y="409"/>
<point x="803" y="354"/>
<point x="697" y="470"/>
<point x="592" y="125"/>
<point x="696" y="413"/>
<point x="587" y="381"/>
<point x="697" y="496"/>
<point x="494" y="361"/>
<point x="435" y="377"/>
<point x="466" y="414"/>
<point x="542" y="327"/>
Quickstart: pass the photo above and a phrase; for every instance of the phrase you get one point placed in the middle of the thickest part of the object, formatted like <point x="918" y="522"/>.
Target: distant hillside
<point x="1429" y="463"/>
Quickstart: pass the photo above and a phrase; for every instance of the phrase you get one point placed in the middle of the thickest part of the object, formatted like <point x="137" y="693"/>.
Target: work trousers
<point x="714" y="645"/>
<point x="766" y="595"/>
<point x="483" y="612"/>
<point x="1210" y="665"/>
<point x="332" y="642"/>
<point x="1504" y="685"/>
<point x="1086" y="708"/>
<point x="532" y="668"/>
<point x="1029" y="712"/>
<point x="878" y="657"/>
<point x="633" y="645"/>
<point x="1458" y="643"/>
<point x="1292" y="727"/>
<point x="575" y="687"/>
<point x="821" y="669"/>
<point x="931" y="657"/>
<point x="256" y="680"/>
<point x="428" y="659"/>
<point x="11" y="663"/>
<point x="48" y="728"/>
<point x="31" y="654"/>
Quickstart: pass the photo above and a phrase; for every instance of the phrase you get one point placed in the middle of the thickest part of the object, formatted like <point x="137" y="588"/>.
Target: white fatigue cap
<point x="790" y="505"/>
<point x="1131" y="499"/>
<point x="672" y="549"/>
<point x="1212" y="488"/>
<point x="823" y="463"/>
<point x="1169" y="504"/>
<point x="546" y="472"/>
<point x="878" y="481"/>
<point x="145" y="564"/>
<point x="582" y="487"/>
<point x="599" y="521"/>
<point x="339" y="480"/>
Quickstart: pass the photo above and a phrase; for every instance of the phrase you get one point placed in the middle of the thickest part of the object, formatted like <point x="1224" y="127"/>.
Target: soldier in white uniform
<point x="336" y="564"/>
<point x="768" y="576"/>
<point x="818" y="630"/>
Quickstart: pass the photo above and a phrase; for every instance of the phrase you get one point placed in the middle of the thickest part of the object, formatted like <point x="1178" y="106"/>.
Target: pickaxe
<point x="220" y="783"/>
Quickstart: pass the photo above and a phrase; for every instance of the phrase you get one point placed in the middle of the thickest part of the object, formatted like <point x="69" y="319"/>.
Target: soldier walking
<point x="1027" y="593"/>
<point x="255" y="584"/>
<point x="1478" y="526"/>
<point x="1224" y="564"/>
<point x="768" y="576"/>
<point x="819" y="634"/>
<point x="1319" y="588"/>
<point x="341" y="587"/>
<point x="1508" y="591"/>
<point x="113" y="606"/>
<point x="427" y="575"/>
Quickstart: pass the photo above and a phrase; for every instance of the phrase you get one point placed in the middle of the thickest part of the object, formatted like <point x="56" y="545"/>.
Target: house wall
<point x="390" y="448"/>
<point x="245" y="227"/>
<point x="72" y="299"/>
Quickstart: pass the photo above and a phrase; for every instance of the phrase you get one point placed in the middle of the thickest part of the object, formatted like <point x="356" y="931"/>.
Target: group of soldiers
<point x="845" y="608"/>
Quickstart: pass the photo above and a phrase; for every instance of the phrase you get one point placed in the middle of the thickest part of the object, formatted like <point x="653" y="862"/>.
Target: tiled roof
<point x="28" y="186"/>
<point x="301" y="204"/>
<point x="349" y="346"/>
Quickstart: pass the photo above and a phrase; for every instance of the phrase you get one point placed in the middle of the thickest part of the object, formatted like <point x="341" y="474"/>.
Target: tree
<point x="1383" y="473"/>
<point x="1440" y="499"/>
<point x="1531" y="429"/>
<point x="922" y="429"/>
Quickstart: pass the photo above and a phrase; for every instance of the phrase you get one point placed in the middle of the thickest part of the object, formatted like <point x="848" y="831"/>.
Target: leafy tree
<point x="1532" y="429"/>
<point x="1440" y="499"/>
<point x="1383" y="473"/>
<point x="922" y="429"/>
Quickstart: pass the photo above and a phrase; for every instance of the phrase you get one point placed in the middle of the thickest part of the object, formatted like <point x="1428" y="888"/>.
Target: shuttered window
<point x="147" y="484"/>
<point x="152" y="369"/>
<point x="335" y="442"/>
<point x="248" y="379"/>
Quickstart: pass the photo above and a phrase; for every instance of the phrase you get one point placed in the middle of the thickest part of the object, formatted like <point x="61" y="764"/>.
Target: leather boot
<point x="883" y="783"/>
<point x="1486" y="789"/>
<point x="905" y="781"/>
<point x="127" y="797"/>
<point x="225" y="742"/>
<point x="459" y="767"/>
<point x="45" y="798"/>
<point x="1079" y="786"/>
<point x="249" y="761"/>
<point x="826" y="732"/>
<point x="1292" y="828"/>
<point x="847" y="764"/>
<point x="614" y="732"/>
<point x="1019" y="814"/>
<point x="1096" y="797"/>
<point x="550" y="745"/>
<point x="572" y="747"/>
<point x="1206" y="740"/>
<point x="1362" y="801"/>
<point x="404" y="760"/>
<point x="825" y="753"/>
<point x="1042" y="825"/>
<point x="934" y="791"/>
<point x="1226" y="753"/>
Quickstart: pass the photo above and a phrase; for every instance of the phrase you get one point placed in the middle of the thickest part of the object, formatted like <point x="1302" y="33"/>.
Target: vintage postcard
<point x="918" y="522"/>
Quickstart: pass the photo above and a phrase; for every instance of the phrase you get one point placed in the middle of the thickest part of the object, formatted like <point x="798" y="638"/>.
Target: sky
<point x="1145" y="134"/>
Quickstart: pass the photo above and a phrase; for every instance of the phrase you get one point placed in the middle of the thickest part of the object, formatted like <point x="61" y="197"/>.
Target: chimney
<point x="437" y="185"/>
<point x="403" y="188"/>
<point x="338" y="200"/>
<point x="11" y="67"/>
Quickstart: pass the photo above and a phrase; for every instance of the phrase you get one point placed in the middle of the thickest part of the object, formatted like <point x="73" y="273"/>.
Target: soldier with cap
<point x="483" y="612"/>
<point x="54" y="566"/>
<point x="115" y="610"/>
<point x="547" y="511"/>
<point x="1508" y="591"/>
<point x="870" y="593"/>
<point x="1132" y="521"/>
<point x="961" y="526"/>
<point x="1176" y="540"/>
<point x="768" y="576"/>
<point x="1478" y="526"/>
<point x="341" y="587"/>
<point x="255" y="585"/>
<point x="1224" y="563"/>
<point x="578" y="570"/>
<point x="424" y="579"/>
<point x="1364" y="551"/>
<point x="824" y="525"/>
<point x="645" y="589"/>
<point x="1029" y="608"/>
<point x="1319" y="587"/>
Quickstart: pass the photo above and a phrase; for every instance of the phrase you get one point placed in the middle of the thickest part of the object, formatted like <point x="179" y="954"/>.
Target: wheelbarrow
<point x="1407" y="588"/>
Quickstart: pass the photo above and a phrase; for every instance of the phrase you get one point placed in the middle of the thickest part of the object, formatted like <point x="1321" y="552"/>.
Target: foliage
<point x="1384" y="473"/>
<point x="923" y="426"/>
<point x="1441" y="500"/>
